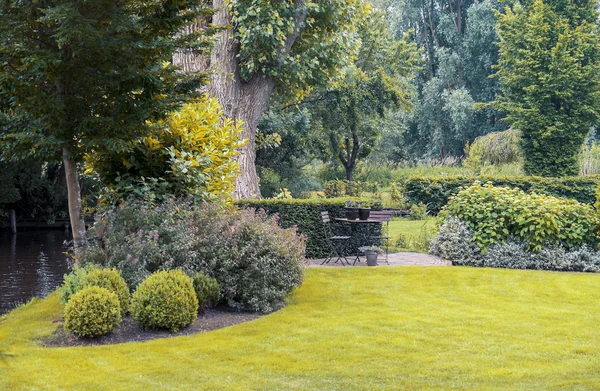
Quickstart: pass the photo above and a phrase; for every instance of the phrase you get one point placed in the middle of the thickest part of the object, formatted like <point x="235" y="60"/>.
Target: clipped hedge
<point x="436" y="191"/>
<point x="305" y="215"/>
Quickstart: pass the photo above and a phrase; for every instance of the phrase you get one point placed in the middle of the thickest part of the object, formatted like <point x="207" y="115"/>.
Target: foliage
<point x="255" y="262"/>
<point x="52" y="50"/>
<point x="589" y="159"/>
<point x="435" y="191"/>
<point x="34" y="189"/>
<point x="494" y="149"/>
<point x="73" y="282"/>
<point x="495" y="213"/>
<point x="108" y="279"/>
<point x="417" y="211"/>
<point x="459" y="44"/>
<point x="340" y="188"/>
<point x="92" y="312"/>
<point x="549" y="71"/>
<point x="324" y="34"/>
<point x="351" y="109"/>
<point x="305" y="216"/>
<point x="191" y="153"/>
<point x="366" y="249"/>
<point x="207" y="290"/>
<point x="454" y="242"/>
<point x="165" y="300"/>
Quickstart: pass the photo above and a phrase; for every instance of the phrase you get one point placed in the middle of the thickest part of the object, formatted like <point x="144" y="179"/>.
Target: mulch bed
<point x="128" y="331"/>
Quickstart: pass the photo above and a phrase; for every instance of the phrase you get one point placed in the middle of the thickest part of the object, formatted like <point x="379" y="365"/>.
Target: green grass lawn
<point x="349" y="329"/>
<point x="414" y="235"/>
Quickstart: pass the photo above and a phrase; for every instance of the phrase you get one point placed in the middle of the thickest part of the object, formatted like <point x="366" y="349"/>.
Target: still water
<point x="32" y="264"/>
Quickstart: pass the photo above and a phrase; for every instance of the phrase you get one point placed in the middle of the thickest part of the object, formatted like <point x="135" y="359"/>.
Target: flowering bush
<point x="256" y="262"/>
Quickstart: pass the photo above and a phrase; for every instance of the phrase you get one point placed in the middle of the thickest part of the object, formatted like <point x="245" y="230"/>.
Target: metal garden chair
<point x="333" y="241"/>
<point x="384" y="216"/>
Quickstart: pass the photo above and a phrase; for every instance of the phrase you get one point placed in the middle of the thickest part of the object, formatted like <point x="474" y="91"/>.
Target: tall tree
<point x="458" y="40"/>
<point x="351" y="109"/>
<point x="289" y="46"/>
<point x="549" y="70"/>
<point x="83" y="75"/>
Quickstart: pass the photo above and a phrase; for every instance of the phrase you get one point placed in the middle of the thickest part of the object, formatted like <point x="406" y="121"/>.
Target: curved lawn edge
<point x="352" y="328"/>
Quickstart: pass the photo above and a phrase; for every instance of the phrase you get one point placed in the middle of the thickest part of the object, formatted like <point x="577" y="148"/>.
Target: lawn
<point x="351" y="329"/>
<point x="414" y="235"/>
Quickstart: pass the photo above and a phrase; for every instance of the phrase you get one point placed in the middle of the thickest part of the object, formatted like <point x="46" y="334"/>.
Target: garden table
<point x="365" y="235"/>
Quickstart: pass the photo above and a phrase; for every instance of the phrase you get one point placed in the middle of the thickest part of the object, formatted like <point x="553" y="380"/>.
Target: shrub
<point x="436" y="191"/>
<point x="73" y="282"/>
<point x="454" y="242"/>
<point x="109" y="279"/>
<point x="494" y="148"/>
<point x="92" y="312"/>
<point x="165" y="300"/>
<point x="495" y="213"/>
<point x="305" y="216"/>
<point x="256" y="262"/>
<point x="191" y="153"/>
<point x="418" y="212"/>
<point x="207" y="290"/>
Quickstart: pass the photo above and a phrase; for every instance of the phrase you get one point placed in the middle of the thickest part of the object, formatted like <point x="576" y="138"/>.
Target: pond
<point x="32" y="264"/>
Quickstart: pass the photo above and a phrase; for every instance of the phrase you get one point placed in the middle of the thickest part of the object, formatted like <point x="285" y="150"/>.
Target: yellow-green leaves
<point x="495" y="213"/>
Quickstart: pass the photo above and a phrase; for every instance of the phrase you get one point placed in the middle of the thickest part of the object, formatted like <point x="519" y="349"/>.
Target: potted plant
<point x="371" y="252"/>
<point x="352" y="210"/>
<point x="364" y="212"/>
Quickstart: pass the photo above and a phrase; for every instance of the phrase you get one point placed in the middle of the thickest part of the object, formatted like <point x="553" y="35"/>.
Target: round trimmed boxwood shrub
<point x="165" y="300"/>
<point x="111" y="280"/>
<point x="92" y="312"/>
<point x="207" y="290"/>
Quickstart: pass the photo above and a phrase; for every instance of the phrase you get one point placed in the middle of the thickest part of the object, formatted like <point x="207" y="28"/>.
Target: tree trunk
<point x="74" y="198"/>
<point x="349" y="172"/>
<point x="241" y="100"/>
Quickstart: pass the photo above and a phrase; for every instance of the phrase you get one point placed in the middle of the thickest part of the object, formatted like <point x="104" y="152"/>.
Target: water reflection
<point x="31" y="264"/>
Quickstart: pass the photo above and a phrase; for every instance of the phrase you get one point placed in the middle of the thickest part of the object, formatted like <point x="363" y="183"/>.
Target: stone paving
<point x="404" y="258"/>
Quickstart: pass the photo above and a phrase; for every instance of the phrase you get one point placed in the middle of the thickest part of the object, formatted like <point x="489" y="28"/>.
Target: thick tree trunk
<point x="241" y="100"/>
<point x="74" y="198"/>
<point x="349" y="172"/>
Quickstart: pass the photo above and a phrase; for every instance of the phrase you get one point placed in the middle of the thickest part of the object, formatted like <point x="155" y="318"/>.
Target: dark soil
<point x="128" y="331"/>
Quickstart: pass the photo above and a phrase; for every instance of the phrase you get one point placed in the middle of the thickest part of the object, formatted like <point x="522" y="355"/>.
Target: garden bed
<point x="128" y="331"/>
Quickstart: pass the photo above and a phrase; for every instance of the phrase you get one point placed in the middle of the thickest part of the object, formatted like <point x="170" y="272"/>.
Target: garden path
<point x="403" y="258"/>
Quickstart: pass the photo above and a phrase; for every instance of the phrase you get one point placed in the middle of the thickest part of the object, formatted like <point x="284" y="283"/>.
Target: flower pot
<point x="351" y="213"/>
<point x="371" y="258"/>
<point x="364" y="213"/>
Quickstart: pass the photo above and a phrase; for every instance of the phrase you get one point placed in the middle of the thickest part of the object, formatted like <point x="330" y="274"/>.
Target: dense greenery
<point x="495" y="213"/>
<point x="111" y="280"/>
<point x="494" y="148"/>
<point x="82" y="76"/>
<point x="436" y="191"/>
<point x="92" y="312"/>
<point x="306" y="217"/>
<point x="191" y="153"/>
<point x="207" y="290"/>
<point x="255" y="262"/>
<point x="455" y="242"/>
<point x="165" y="300"/>
<point x="549" y="72"/>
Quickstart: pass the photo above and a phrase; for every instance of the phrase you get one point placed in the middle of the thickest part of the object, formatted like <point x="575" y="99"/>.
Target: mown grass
<point x="349" y="329"/>
<point x="412" y="235"/>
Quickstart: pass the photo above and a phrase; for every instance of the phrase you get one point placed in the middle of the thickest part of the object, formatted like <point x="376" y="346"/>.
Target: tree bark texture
<point x="74" y="198"/>
<point x="241" y="100"/>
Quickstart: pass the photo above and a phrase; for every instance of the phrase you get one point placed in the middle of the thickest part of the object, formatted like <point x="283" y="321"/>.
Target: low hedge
<point x="436" y="191"/>
<point x="305" y="215"/>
